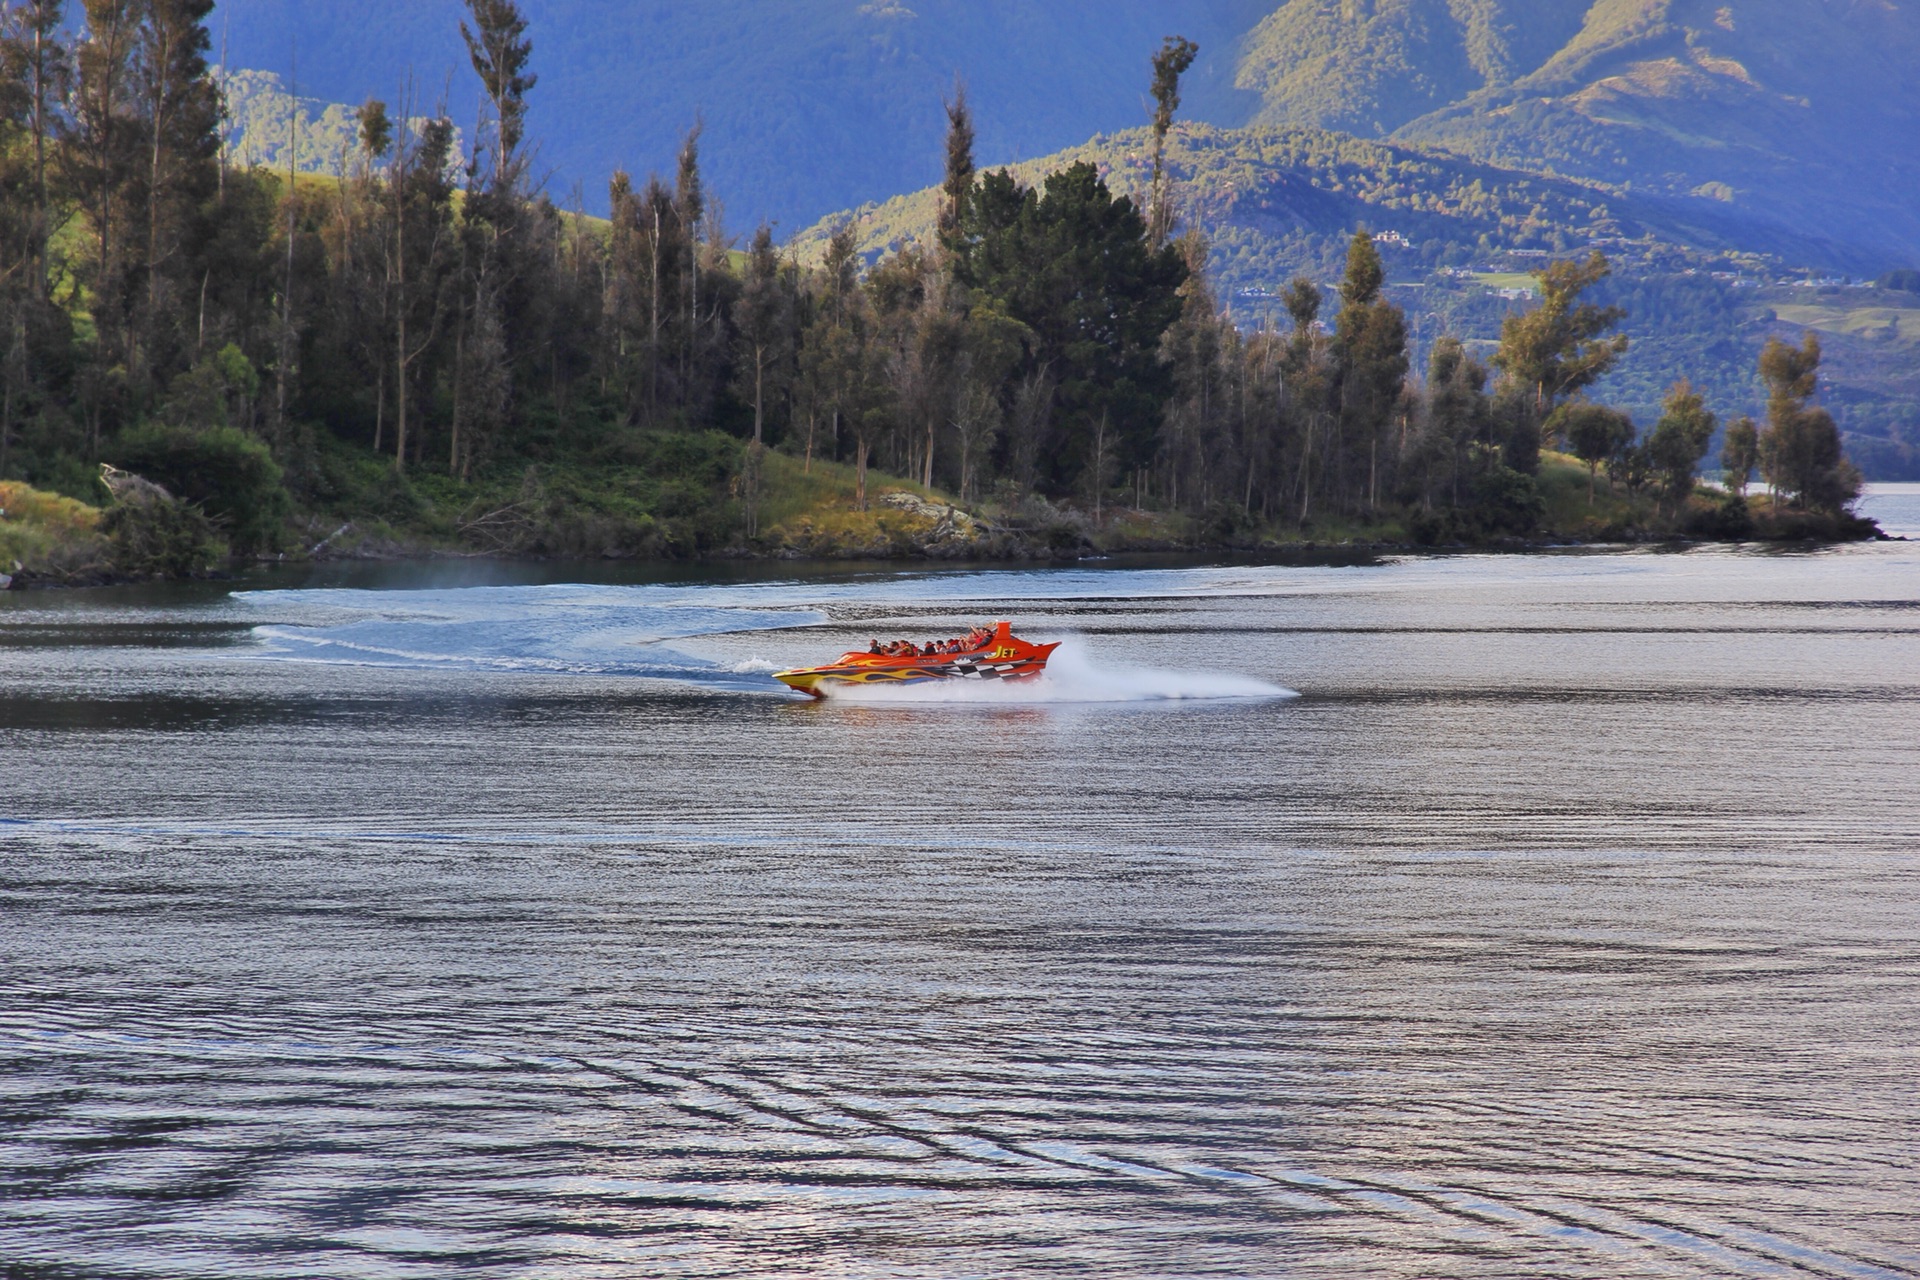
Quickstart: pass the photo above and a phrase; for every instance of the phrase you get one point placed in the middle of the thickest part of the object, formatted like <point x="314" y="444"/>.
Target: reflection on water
<point x="1565" y="925"/>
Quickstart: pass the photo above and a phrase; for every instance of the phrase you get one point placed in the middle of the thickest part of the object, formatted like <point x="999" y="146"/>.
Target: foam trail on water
<point x="548" y="630"/>
<point x="1073" y="675"/>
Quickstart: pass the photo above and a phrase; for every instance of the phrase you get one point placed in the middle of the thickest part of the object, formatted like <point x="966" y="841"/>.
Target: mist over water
<point x="1566" y="923"/>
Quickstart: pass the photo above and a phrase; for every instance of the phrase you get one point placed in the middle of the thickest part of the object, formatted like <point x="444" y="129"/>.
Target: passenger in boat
<point x="874" y="647"/>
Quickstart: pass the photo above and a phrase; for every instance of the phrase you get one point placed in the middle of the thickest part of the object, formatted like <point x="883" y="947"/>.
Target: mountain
<point x="808" y="105"/>
<point x="1368" y="68"/>
<point x="1270" y="198"/>
<point x="1776" y="121"/>
<point x="1770" y="109"/>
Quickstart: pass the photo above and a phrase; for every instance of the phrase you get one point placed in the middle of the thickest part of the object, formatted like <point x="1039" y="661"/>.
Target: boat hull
<point x="1003" y="659"/>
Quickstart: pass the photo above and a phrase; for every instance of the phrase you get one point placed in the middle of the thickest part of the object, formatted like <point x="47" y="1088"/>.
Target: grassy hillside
<point x="1368" y="69"/>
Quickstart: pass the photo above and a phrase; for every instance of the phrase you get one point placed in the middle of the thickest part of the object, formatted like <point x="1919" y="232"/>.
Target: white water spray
<point x="1073" y="675"/>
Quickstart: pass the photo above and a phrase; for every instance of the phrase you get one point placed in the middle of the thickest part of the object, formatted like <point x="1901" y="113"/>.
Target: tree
<point x="1307" y="378"/>
<point x="1072" y="262"/>
<point x="180" y="169"/>
<point x="36" y="65"/>
<point x="1679" y="440"/>
<point x="1191" y="349"/>
<point x="498" y="47"/>
<point x="1458" y="415"/>
<point x="829" y="345"/>
<point x="1631" y="467"/>
<point x="993" y="344"/>
<point x="959" y="175"/>
<point x="1595" y="433"/>
<point x="1369" y="360"/>
<point x="1800" y="452"/>
<point x="1169" y="64"/>
<point x="416" y="253"/>
<point x="33" y="79"/>
<point x="1740" y="454"/>
<point x="763" y="319"/>
<point x="921" y="334"/>
<point x="100" y="154"/>
<point x="1557" y="349"/>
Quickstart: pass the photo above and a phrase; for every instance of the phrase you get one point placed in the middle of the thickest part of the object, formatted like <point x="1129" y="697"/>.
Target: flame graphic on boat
<point x="1002" y="656"/>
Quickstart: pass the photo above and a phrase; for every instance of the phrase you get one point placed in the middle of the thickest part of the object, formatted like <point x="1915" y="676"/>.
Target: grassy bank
<point x="49" y="535"/>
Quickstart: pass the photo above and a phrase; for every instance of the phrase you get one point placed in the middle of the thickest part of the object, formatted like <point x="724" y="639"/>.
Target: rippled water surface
<point x="1566" y="923"/>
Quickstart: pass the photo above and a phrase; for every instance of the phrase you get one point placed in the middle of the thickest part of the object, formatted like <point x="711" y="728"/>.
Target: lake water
<point x="470" y="921"/>
<point x="1895" y="506"/>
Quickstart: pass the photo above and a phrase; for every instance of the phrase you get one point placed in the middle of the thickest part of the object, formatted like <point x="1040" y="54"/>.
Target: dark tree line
<point x="441" y="311"/>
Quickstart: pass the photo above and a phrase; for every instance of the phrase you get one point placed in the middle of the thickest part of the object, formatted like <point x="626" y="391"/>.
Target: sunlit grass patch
<point x="1881" y="324"/>
<point x="822" y="497"/>
<point x="46" y="531"/>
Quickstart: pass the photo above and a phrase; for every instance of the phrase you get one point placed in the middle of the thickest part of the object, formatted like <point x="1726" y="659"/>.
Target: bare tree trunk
<point x="751" y="484"/>
<point x="400" y="388"/>
<point x="1099" y="467"/>
<point x="759" y="376"/>
<point x="158" y="126"/>
<point x="380" y="408"/>
<point x="860" y="475"/>
<point x="459" y="383"/>
<point x="1306" y="476"/>
<point x="927" y="478"/>
<point x="286" y="290"/>
<point x="653" y="339"/>
<point x="42" y="231"/>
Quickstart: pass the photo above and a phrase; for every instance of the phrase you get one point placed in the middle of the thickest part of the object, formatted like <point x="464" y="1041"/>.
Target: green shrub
<point x="161" y="536"/>
<point x="1726" y="521"/>
<point x="1506" y="502"/>
<point x="227" y="473"/>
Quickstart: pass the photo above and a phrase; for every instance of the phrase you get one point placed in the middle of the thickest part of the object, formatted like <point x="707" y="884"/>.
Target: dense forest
<point x="238" y="344"/>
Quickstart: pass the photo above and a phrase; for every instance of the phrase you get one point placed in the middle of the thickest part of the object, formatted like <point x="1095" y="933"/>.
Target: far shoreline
<point x="429" y="567"/>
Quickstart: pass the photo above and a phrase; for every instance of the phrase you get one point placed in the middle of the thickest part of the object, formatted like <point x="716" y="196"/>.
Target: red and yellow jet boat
<point x="991" y="655"/>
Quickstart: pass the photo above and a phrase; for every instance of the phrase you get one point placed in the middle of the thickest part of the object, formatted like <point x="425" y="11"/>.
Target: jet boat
<point x="1001" y="656"/>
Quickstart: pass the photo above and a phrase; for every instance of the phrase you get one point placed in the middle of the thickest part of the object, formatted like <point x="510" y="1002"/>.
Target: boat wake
<point x="654" y="632"/>
<point x="534" y="630"/>
<point x="1074" y="675"/>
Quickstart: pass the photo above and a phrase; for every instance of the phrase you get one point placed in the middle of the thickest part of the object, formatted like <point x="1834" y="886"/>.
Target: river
<point x="1476" y="916"/>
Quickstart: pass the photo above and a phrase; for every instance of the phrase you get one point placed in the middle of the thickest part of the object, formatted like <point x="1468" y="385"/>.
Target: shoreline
<point x="1305" y="551"/>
